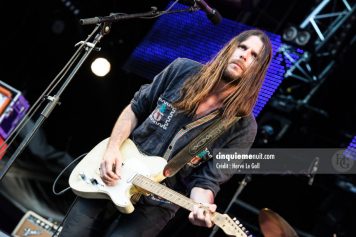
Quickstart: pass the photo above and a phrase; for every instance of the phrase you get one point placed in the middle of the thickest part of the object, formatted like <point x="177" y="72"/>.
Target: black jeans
<point x="95" y="217"/>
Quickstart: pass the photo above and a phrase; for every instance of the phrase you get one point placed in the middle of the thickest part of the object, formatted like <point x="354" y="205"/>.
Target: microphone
<point x="212" y="14"/>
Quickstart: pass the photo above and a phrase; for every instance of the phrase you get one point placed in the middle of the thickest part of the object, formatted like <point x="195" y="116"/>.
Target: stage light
<point x="290" y="33"/>
<point x="100" y="67"/>
<point x="272" y="127"/>
<point x="302" y="38"/>
<point x="296" y="36"/>
<point x="58" y="26"/>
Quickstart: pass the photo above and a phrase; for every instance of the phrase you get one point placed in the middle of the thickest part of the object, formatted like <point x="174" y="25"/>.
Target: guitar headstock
<point x="231" y="227"/>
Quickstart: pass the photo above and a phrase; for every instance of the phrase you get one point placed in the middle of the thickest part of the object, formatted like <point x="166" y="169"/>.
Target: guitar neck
<point x="162" y="191"/>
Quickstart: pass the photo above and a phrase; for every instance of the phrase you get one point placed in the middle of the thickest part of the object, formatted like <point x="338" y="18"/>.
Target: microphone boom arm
<point x="114" y="17"/>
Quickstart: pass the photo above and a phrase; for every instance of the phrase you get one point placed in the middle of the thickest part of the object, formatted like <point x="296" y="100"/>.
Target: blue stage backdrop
<point x="192" y="35"/>
<point x="351" y="149"/>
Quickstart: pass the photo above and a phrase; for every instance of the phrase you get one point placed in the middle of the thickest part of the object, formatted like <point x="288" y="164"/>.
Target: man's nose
<point x="245" y="54"/>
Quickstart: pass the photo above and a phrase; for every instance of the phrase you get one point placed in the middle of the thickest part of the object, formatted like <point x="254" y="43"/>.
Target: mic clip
<point x="88" y="45"/>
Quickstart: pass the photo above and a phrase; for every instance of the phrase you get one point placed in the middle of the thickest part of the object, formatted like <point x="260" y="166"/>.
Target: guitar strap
<point x="197" y="145"/>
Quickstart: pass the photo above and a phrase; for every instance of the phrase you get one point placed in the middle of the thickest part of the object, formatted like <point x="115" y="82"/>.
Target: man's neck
<point x="215" y="98"/>
<point x="222" y="90"/>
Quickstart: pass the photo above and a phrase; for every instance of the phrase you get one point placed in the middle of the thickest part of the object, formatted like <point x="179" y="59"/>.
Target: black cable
<point x="61" y="173"/>
<point x="65" y="217"/>
<point x="64" y="190"/>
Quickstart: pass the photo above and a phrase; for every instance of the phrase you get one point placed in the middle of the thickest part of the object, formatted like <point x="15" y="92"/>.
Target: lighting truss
<point x="297" y="63"/>
<point x="316" y="16"/>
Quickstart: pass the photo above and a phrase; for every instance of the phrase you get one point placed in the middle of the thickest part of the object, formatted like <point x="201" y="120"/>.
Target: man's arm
<point x="207" y="180"/>
<point x="200" y="215"/>
<point x="202" y="195"/>
<point x="111" y="162"/>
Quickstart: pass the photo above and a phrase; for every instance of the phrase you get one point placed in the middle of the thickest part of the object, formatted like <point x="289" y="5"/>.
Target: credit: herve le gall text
<point x="233" y="165"/>
<point x="237" y="160"/>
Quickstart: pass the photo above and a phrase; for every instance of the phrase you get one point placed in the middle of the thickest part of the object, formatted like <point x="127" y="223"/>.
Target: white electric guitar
<point x="140" y="174"/>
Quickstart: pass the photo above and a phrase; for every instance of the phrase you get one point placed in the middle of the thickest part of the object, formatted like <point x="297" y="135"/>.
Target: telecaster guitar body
<point x="85" y="179"/>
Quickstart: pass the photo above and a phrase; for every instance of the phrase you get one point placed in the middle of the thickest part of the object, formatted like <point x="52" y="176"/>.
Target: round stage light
<point x="100" y="67"/>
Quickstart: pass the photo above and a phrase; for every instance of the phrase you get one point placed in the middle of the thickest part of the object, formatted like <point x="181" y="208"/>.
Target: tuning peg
<point x="248" y="234"/>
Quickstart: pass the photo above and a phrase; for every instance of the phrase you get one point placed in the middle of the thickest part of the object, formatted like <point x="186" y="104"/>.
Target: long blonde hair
<point x="242" y="100"/>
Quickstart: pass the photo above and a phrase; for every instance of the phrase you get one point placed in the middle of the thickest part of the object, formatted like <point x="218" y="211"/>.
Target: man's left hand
<point x="201" y="215"/>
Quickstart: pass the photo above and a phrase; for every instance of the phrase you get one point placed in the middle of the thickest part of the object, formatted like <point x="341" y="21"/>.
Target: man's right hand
<point x="110" y="166"/>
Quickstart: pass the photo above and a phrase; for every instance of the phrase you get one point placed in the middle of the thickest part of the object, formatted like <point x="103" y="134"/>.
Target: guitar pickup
<point x="91" y="181"/>
<point x="83" y="177"/>
<point x="94" y="181"/>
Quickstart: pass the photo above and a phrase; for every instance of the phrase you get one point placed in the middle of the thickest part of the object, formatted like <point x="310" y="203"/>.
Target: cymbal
<point x="273" y="225"/>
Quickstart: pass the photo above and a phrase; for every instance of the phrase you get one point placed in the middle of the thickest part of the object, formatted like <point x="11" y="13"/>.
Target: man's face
<point x="243" y="57"/>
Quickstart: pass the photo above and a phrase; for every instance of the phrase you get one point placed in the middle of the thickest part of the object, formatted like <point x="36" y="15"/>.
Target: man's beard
<point x="229" y="78"/>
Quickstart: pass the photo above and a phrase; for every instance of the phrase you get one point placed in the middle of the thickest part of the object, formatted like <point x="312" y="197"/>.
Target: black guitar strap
<point x="197" y="145"/>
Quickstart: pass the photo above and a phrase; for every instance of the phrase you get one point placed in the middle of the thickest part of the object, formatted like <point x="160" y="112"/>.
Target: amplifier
<point x="3" y="147"/>
<point x="32" y="224"/>
<point x="13" y="107"/>
<point x="2" y="234"/>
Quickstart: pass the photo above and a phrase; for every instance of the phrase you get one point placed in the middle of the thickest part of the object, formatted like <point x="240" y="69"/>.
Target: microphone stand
<point x="52" y="101"/>
<point x="103" y="27"/>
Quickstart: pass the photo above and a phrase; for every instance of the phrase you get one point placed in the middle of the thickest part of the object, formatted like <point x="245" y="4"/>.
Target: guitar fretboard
<point x="224" y="222"/>
<point x="164" y="192"/>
